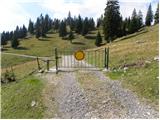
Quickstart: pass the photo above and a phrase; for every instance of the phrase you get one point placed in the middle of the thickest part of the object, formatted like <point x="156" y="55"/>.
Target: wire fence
<point x="22" y="67"/>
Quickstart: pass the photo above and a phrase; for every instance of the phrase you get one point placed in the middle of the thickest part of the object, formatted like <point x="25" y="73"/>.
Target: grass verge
<point x="17" y="98"/>
<point x="137" y="52"/>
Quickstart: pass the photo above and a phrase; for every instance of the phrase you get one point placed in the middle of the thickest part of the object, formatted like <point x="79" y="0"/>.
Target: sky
<point x="18" y="12"/>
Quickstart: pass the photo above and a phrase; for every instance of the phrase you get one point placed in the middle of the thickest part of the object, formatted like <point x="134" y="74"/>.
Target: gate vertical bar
<point x="56" y="58"/>
<point x="107" y="58"/>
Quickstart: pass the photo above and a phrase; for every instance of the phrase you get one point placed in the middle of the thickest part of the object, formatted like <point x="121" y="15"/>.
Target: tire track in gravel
<point x="90" y="94"/>
<point x="70" y="98"/>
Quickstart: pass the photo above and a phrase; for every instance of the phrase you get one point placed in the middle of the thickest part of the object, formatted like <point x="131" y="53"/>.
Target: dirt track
<point x="90" y="94"/>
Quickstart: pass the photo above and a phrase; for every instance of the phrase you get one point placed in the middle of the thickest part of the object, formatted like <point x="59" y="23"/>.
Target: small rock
<point x="139" y="42"/>
<point x="147" y="61"/>
<point x="33" y="103"/>
<point x="125" y="69"/>
<point x="148" y="113"/>
<point x="105" y="101"/>
<point x="41" y="71"/>
<point x="156" y="58"/>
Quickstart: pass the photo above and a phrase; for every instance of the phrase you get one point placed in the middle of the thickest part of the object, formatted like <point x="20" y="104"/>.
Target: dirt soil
<point x="90" y="94"/>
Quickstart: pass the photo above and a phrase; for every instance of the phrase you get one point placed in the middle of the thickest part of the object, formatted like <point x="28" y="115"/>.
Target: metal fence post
<point x="107" y="58"/>
<point x="56" y="58"/>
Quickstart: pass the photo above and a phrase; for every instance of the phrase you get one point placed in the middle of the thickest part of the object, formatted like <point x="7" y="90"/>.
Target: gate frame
<point x="106" y="59"/>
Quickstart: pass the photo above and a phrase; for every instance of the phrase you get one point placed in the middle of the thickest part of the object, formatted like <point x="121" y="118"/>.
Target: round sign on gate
<point x="79" y="55"/>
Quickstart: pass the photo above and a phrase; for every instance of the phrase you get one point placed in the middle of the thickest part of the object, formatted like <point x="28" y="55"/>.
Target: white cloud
<point x="12" y="14"/>
<point x="93" y="8"/>
<point x="60" y="8"/>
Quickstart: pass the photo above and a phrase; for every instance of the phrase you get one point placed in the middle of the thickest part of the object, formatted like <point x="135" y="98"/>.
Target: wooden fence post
<point x="47" y="65"/>
<point x="39" y="68"/>
<point x="56" y="58"/>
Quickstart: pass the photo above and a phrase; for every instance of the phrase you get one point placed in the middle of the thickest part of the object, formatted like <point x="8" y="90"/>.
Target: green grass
<point x="17" y="97"/>
<point x="44" y="47"/>
<point x="136" y="48"/>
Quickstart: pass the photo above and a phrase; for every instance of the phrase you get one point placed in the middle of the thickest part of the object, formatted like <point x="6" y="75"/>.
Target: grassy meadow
<point x="136" y="52"/>
<point x="18" y="96"/>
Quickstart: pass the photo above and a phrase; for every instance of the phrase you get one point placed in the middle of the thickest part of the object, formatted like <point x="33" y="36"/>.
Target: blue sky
<point x="18" y="12"/>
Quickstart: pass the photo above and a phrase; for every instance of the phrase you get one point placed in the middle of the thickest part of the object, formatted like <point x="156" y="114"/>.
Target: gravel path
<point x="71" y="99"/>
<point x="136" y="109"/>
<point x="76" y="96"/>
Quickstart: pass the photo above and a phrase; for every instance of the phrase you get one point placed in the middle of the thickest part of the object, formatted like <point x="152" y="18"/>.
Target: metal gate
<point x="91" y="59"/>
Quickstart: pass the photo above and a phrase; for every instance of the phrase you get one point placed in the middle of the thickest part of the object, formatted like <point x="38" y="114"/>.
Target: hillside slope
<point x="132" y="60"/>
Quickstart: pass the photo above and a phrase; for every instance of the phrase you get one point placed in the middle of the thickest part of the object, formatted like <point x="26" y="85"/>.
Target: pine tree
<point x="134" y="22"/>
<point x="124" y="27"/>
<point x="149" y="16"/>
<point x="121" y="28"/>
<point x="156" y="16"/>
<point x="10" y="35"/>
<point x="47" y="23"/>
<point x="79" y="25"/>
<point x="31" y="27"/>
<point x="14" y="41"/>
<point x="56" y="24"/>
<point x="128" y="24"/>
<point x="98" y="39"/>
<point x="85" y="28"/>
<point x="100" y="21"/>
<point x="140" y="19"/>
<point x="71" y="36"/>
<point x="42" y="26"/>
<point x="18" y="33"/>
<point x="111" y="23"/>
<point x="69" y="18"/>
<point x="3" y="39"/>
<point x="24" y="31"/>
<point x="37" y="28"/>
<point x="62" y="29"/>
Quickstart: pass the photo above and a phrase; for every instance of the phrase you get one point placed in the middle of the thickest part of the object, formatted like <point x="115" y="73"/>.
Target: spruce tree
<point x="128" y="21"/>
<point x="24" y="31"/>
<point x="17" y="31"/>
<point x="56" y="24"/>
<point x="3" y="39"/>
<point x="111" y="23"/>
<point x="79" y="25"/>
<point x="71" y="36"/>
<point x="134" y="22"/>
<point x="14" y="41"/>
<point x="149" y="16"/>
<point x="85" y="28"/>
<point x="62" y="29"/>
<point x="42" y="26"/>
<point x="69" y="18"/>
<point x="37" y="28"/>
<point x="31" y="27"/>
<point x="98" y="39"/>
<point x="156" y="16"/>
<point x="140" y="19"/>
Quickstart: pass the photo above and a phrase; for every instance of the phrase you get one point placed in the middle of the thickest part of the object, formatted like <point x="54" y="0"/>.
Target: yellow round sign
<point x="79" y="55"/>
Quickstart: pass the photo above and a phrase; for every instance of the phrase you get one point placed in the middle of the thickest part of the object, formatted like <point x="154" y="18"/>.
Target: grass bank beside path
<point x="22" y="99"/>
